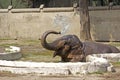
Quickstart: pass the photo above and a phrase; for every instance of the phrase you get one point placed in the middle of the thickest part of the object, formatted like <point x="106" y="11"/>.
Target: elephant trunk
<point x="44" y="43"/>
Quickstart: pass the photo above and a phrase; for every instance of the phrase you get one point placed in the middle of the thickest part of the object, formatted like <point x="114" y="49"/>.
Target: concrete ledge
<point x="3" y="10"/>
<point x="69" y="9"/>
<point x="94" y="64"/>
<point x="10" y="56"/>
<point x="112" y="57"/>
<point x="41" y="71"/>
<point x="25" y="10"/>
<point x="11" y="53"/>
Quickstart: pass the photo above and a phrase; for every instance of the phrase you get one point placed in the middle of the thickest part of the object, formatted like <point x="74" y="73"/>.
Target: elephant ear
<point x="76" y="58"/>
<point x="66" y="49"/>
<point x="54" y="54"/>
<point x="63" y="51"/>
<point x="70" y="56"/>
<point x="61" y="44"/>
<point x="76" y="46"/>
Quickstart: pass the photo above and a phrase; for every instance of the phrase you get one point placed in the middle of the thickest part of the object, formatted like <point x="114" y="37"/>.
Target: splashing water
<point x="63" y="22"/>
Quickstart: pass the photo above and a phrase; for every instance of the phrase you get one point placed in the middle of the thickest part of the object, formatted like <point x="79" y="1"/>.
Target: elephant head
<point x="56" y="44"/>
<point x="65" y="46"/>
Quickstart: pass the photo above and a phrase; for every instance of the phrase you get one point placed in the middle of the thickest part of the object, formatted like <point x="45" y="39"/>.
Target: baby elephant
<point x="71" y="49"/>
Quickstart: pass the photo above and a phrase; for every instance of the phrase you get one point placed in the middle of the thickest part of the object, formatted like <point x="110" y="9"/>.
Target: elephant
<point x="71" y="49"/>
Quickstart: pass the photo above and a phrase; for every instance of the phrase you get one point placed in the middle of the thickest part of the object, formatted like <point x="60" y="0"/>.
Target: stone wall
<point x="31" y="23"/>
<point x="105" y="25"/>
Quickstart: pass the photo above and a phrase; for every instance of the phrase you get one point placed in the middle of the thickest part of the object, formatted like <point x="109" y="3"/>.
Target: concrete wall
<point x="105" y="25"/>
<point x="32" y="23"/>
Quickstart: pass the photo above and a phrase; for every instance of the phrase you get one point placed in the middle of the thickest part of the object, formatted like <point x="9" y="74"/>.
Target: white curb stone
<point x="11" y="53"/>
<point x="97" y="64"/>
<point x="94" y="64"/>
<point x="41" y="71"/>
<point x="113" y="57"/>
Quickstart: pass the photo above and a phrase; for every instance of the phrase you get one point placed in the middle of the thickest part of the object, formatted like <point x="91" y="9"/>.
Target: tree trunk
<point x="84" y="21"/>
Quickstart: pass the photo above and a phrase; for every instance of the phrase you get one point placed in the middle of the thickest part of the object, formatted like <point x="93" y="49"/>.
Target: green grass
<point x="98" y="72"/>
<point x="114" y="43"/>
<point x="7" y="45"/>
<point x="42" y="56"/>
<point x="116" y="64"/>
<point x="39" y="57"/>
<point x="32" y="42"/>
<point x="33" y="51"/>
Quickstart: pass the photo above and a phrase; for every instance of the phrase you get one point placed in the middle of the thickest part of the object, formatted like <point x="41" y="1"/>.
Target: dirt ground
<point x="104" y="76"/>
<point x="32" y="51"/>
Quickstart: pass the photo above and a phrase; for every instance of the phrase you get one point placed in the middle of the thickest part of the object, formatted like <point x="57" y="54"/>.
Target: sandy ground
<point x="105" y="76"/>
